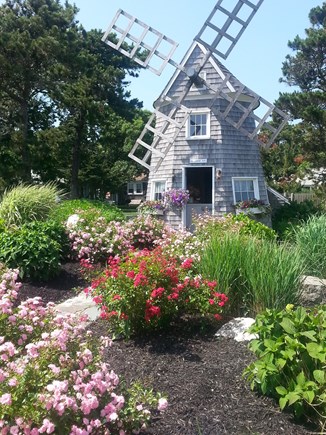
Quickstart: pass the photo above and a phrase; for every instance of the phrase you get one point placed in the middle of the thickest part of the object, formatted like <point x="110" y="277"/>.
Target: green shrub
<point x="32" y="250"/>
<point x="91" y="210"/>
<point x="255" y="274"/>
<point x="242" y="224"/>
<point x="291" y="352"/>
<point x="310" y="239"/>
<point x="291" y="215"/>
<point x="27" y="203"/>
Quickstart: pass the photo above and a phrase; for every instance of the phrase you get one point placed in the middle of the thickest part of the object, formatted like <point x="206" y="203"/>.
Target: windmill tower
<point x="204" y="133"/>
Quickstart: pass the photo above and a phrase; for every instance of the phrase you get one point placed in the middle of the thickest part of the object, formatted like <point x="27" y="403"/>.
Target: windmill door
<point x="199" y="182"/>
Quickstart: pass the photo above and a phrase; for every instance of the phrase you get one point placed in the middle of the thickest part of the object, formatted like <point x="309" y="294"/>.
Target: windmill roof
<point x="194" y="53"/>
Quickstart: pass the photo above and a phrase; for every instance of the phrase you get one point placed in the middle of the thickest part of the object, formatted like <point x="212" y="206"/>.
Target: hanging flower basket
<point x="175" y="199"/>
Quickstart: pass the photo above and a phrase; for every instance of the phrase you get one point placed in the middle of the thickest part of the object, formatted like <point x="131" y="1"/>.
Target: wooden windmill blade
<point x="224" y="27"/>
<point x="153" y="50"/>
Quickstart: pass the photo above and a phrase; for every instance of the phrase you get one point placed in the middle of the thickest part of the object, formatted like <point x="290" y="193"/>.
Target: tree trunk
<point x="74" y="185"/>
<point x="26" y="160"/>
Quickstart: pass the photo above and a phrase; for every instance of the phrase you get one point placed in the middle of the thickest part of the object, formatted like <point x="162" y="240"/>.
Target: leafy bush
<point x="255" y="274"/>
<point x="291" y="215"/>
<point x="90" y="210"/>
<point x="207" y="224"/>
<point x="27" y="203"/>
<point x="32" y="249"/>
<point x="291" y="354"/>
<point x="52" y="378"/>
<point x="147" y="290"/>
<point x="310" y="239"/>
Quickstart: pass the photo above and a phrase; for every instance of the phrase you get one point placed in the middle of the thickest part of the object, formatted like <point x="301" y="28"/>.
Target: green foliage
<point x="310" y="239"/>
<point x="89" y="209"/>
<point x="26" y="203"/>
<point x="291" y="354"/>
<point x="292" y="215"/>
<point x="242" y="224"/>
<point x="255" y="274"/>
<point x="34" y="249"/>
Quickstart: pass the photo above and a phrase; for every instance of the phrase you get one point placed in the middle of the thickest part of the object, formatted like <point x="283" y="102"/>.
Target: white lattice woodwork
<point x="225" y="33"/>
<point x="147" y="54"/>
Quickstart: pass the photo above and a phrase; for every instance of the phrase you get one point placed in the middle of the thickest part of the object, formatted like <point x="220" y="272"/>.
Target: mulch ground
<point x="200" y="374"/>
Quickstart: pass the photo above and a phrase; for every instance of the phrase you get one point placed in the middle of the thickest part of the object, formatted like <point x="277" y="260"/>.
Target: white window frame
<point x="153" y="188"/>
<point x="206" y="112"/>
<point x="255" y="183"/>
<point x="134" y="187"/>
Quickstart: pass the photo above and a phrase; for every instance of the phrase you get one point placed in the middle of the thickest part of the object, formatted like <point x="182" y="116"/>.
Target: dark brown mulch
<point x="200" y="374"/>
<point x="58" y="288"/>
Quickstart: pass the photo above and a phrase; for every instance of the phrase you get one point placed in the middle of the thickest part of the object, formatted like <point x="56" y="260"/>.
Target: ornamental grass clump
<point x="27" y="203"/>
<point x="291" y="357"/>
<point x="147" y="290"/>
<point x="256" y="274"/>
<point x="310" y="239"/>
<point x="52" y="378"/>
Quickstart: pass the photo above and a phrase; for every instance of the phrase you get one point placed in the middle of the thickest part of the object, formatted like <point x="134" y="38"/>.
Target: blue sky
<point x="256" y="60"/>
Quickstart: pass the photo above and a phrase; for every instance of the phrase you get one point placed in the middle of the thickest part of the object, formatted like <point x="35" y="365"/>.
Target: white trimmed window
<point x="199" y="125"/>
<point x="200" y="87"/>
<point x="159" y="186"/>
<point x="135" y="189"/>
<point x="245" y="188"/>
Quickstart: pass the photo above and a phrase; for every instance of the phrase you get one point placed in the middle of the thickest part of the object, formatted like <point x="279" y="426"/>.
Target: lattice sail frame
<point x="157" y="53"/>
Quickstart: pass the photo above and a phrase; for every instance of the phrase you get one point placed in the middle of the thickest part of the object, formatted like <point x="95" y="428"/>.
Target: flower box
<point x="250" y="210"/>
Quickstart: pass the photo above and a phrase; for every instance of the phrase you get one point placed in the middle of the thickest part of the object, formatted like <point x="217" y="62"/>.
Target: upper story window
<point x="245" y="189"/>
<point x="159" y="187"/>
<point x="200" y="86"/>
<point x="199" y="125"/>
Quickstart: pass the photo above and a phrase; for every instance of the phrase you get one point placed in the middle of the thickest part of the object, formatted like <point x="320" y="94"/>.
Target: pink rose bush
<point x="52" y="378"/>
<point x="100" y="240"/>
<point x="148" y="289"/>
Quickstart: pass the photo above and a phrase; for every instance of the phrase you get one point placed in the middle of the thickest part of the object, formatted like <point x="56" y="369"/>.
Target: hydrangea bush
<point x="148" y="289"/>
<point x="52" y="378"/>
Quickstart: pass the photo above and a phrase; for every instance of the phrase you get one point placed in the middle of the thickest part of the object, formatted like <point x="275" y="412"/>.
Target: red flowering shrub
<point x="147" y="290"/>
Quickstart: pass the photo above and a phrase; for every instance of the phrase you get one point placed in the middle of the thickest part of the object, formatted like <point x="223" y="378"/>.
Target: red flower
<point x="116" y="297"/>
<point x="98" y="299"/>
<point x="211" y="301"/>
<point x="217" y="317"/>
<point x="123" y="316"/>
<point x="157" y="293"/>
<point x="130" y="274"/>
<point x="152" y="311"/>
<point x="187" y="264"/>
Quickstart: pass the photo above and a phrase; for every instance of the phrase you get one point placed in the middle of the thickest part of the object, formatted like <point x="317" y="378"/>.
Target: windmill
<point x="233" y="103"/>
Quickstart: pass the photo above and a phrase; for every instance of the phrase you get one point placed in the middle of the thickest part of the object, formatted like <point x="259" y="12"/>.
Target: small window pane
<point x="244" y="190"/>
<point x="139" y="188"/>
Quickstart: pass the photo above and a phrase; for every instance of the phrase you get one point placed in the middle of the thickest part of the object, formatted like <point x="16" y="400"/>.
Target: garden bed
<point x="200" y="374"/>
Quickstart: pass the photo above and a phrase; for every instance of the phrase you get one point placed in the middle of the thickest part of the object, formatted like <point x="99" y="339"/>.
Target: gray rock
<point x="314" y="291"/>
<point x="237" y="329"/>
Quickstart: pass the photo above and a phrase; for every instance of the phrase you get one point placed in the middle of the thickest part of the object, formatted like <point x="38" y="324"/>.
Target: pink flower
<point x="162" y="404"/>
<point x="47" y="426"/>
<point x="5" y="399"/>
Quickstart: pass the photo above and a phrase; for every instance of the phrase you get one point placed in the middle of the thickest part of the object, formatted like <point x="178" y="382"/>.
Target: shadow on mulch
<point x="58" y="288"/>
<point x="202" y="377"/>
